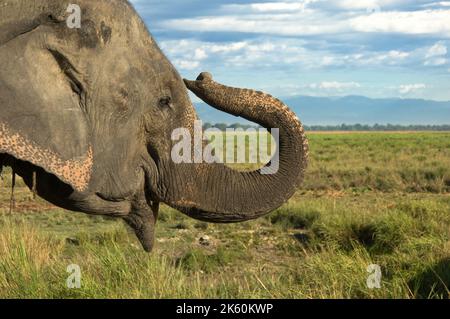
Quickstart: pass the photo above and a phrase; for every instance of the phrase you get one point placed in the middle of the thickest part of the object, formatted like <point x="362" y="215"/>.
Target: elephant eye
<point x="165" y="101"/>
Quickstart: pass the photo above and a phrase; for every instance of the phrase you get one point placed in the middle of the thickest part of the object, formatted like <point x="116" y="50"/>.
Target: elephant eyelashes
<point x="165" y="102"/>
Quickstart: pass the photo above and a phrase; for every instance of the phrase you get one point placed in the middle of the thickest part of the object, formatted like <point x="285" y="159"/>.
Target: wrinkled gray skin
<point x="108" y="87"/>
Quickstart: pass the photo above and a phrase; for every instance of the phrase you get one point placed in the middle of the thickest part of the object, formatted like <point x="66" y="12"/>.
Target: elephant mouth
<point x="153" y="181"/>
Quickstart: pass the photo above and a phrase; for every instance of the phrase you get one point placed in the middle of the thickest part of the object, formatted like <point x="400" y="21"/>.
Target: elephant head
<point x="89" y="112"/>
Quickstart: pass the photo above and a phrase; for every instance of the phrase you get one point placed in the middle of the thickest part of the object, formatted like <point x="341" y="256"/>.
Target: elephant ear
<point x="42" y="115"/>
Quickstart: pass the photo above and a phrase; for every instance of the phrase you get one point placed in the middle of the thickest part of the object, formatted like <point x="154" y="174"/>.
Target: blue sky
<point x="375" y="48"/>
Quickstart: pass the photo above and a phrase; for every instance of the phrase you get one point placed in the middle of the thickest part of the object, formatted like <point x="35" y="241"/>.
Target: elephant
<point x="87" y="113"/>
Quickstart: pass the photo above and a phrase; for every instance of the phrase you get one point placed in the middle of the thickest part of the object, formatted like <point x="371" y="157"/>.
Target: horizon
<point x="351" y="110"/>
<point x="366" y="97"/>
<point x="317" y="127"/>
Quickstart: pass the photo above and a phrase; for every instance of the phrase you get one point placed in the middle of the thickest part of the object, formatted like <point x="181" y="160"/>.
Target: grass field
<point x="369" y="198"/>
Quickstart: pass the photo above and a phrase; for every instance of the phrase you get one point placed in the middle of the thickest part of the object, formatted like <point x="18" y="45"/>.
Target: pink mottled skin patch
<point x="75" y="172"/>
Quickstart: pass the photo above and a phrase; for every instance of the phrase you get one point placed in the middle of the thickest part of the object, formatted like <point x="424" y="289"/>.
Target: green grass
<point x="387" y="162"/>
<point x="372" y="198"/>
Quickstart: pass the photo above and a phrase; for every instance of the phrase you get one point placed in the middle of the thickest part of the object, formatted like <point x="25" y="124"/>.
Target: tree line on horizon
<point x="342" y="127"/>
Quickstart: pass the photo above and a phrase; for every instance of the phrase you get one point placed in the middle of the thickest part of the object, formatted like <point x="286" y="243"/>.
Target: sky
<point x="373" y="48"/>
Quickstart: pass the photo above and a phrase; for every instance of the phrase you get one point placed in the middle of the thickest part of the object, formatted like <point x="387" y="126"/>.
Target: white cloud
<point x="413" y="22"/>
<point x="228" y="47"/>
<point x="437" y="50"/>
<point x="270" y="6"/>
<point x="265" y="25"/>
<point x="410" y="88"/>
<point x="437" y="4"/>
<point x="186" y="64"/>
<point x="302" y="18"/>
<point x="324" y="88"/>
<point x="436" y="62"/>
<point x="286" y="53"/>
<point x="394" y="54"/>
<point x="334" y="85"/>
<point x="366" y="5"/>
<point x="435" y="55"/>
<point x="358" y="5"/>
<point x="200" y="54"/>
<point x="234" y="54"/>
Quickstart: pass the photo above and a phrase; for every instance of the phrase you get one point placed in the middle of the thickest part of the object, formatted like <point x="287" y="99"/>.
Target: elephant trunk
<point x="217" y="193"/>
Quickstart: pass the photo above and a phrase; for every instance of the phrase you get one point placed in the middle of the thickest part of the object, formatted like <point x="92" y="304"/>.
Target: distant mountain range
<point x="350" y="110"/>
